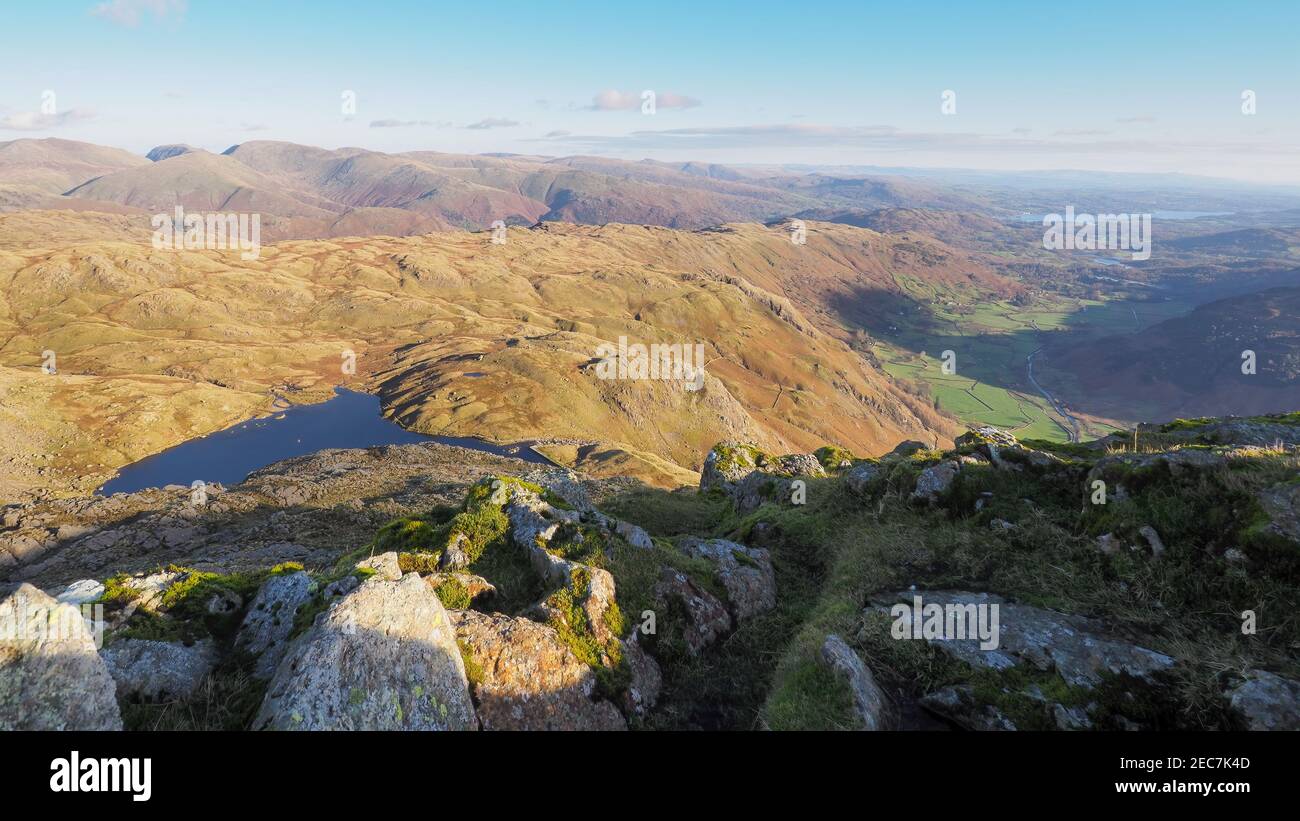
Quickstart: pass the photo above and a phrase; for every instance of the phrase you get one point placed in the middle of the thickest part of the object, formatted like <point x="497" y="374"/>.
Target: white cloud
<point x="36" y="121"/>
<point x="492" y="122"/>
<point x="130" y="12"/>
<point x="390" y="123"/>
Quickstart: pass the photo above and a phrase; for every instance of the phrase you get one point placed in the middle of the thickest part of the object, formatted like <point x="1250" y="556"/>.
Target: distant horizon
<point x="830" y="169"/>
<point x="1169" y="89"/>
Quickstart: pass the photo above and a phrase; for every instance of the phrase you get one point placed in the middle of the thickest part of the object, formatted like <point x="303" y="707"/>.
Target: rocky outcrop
<point x="863" y="476"/>
<point x="383" y="657"/>
<point x="157" y="670"/>
<point x="1281" y="504"/>
<point x="750" y="477"/>
<point x="870" y="703"/>
<point x="525" y="678"/>
<point x="1267" y="701"/>
<point x="1075" y="647"/>
<point x="268" y="624"/>
<point x="935" y="480"/>
<point x="745" y="572"/>
<point x="51" y="675"/>
<point x="706" y="617"/>
<point x="81" y="592"/>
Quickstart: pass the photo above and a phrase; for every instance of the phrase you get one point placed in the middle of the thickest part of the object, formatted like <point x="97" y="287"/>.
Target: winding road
<point x="1073" y="432"/>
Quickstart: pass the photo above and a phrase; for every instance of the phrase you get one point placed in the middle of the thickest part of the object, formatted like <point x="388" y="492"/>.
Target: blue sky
<point x="1106" y="86"/>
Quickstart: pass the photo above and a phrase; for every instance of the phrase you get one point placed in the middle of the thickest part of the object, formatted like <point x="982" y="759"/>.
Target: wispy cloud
<point x="409" y="123"/>
<point x="36" y="121"/>
<point x="254" y="127"/>
<point x="493" y="122"/>
<point x="130" y="12"/>
<point x="613" y="100"/>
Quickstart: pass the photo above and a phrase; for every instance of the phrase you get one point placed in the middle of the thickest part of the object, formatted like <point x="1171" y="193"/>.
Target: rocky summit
<point x="1001" y="584"/>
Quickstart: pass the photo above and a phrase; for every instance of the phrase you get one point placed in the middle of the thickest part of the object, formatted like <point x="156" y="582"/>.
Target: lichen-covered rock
<point x="525" y="678"/>
<point x="1282" y="505"/>
<point x="984" y="436"/>
<point x="1076" y="647"/>
<point x="706" y="618"/>
<point x="80" y="592"/>
<point x="1267" y="701"/>
<point x="149" y="589"/>
<point x="862" y="476"/>
<point x="563" y="483"/>
<point x="751" y="477"/>
<point x="51" y="675"/>
<point x="935" y="480"/>
<point x="633" y="535"/>
<point x="645" y="681"/>
<point x="383" y="657"/>
<point x="869" y="701"/>
<point x="269" y="621"/>
<point x="385" y="565"/>
<point x="745" y="572"/>
<point x="157" y="670"/>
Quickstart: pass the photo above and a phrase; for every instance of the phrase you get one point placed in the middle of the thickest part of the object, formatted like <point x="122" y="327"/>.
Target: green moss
<point x="453" y="593"/>
<point x="473" y="671"/>
<point x="834" y="458"/>
<point x="116" y="592"/>
<point x="574" y="629"/>
<point x="422" y="563"/>
<point x="739" y="457"/>
<point x="286" y="568"/>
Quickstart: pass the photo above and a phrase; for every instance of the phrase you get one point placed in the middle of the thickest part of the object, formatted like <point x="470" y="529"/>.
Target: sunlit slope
<point x="457" y="335"/>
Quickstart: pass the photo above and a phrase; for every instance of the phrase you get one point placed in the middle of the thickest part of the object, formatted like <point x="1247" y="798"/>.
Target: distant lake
<point x="348" y="420"/>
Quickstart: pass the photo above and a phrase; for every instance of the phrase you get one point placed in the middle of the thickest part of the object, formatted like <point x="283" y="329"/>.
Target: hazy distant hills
<point x="303" y="191"/>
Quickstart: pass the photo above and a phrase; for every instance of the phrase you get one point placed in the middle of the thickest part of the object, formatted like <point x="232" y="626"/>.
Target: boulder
<point x="745" y="572"/>
<point x="750" y="477"/>
<point x="158" y="670"/>
<point x="51" y="675"/>
<point x="935" y="480"/>
<point x="862" y="476"/>
<point x="907" y="448"/>
<point x="385" y="565"/>
<point x="524" y="678"/>
<point x="1267" y="701"/>
<point x="565" y="484"/>
<point x="81" y="592"/>
<point x="646" y="678"/>
<point x="869" y="701"/>
<point x="383" y="657"/>
<point x="1153" y="540"/>
<point x="706" y="617"/>
<point x="1282" y="505"/>
<point x="1076" y="647"/>
<point x="269" y="622"/>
